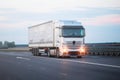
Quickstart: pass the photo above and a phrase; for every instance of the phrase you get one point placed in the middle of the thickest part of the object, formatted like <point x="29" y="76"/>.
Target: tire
<point x="48" y="53"/>
<point x="35" y="52"/>
<point x="58" y="53"/>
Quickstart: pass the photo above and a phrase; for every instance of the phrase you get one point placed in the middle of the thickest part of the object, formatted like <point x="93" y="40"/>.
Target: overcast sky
<point x="101" y="18"/>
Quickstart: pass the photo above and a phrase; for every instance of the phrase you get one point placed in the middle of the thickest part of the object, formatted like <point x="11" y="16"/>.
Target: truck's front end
<point x="72" y="39"/>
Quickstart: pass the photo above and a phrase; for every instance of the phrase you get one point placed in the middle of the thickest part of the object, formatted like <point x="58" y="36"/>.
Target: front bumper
<point x="67" y="51"/>
<point x="73" y="53"/>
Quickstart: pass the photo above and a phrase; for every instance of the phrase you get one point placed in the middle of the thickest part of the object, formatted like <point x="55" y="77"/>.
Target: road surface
<point x="24" y="66"/>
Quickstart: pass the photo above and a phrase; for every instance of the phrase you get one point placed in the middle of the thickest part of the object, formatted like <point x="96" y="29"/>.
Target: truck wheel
<point x="33" y="54"/>
<point x="33" y="51"/>
<point x="48" y="53"/>
<point x="37" y="52"/>
<point x="58" y="54"/>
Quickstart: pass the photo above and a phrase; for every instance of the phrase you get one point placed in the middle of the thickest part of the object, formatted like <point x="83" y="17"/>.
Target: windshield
<point x="73" y="32"/>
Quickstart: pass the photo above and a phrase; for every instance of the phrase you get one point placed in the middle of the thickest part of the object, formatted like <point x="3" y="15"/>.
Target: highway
<point x="24" y="66"/>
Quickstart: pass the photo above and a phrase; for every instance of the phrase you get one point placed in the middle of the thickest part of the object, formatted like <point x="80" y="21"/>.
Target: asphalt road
<point x="24" y="66"/>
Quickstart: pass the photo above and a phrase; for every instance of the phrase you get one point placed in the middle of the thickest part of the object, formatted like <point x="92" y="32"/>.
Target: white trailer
<point x="60" y="38"/>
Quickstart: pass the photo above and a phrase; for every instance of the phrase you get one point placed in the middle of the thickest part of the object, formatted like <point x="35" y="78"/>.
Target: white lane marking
<point x="98" y="64"/>
<point x="22" y="58"/>
<point x="91" y="63"/>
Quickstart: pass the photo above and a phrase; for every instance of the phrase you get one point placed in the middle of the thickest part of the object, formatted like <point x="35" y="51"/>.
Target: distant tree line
<point x="7" y="44"/>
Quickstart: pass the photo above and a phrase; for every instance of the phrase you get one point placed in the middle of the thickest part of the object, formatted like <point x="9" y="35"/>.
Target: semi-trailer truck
<point x="60" y="38"/>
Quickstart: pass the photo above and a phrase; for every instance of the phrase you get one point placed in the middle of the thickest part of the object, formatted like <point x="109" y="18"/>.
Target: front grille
<point x="73" y="53"/>
<point x="70" y="45"/>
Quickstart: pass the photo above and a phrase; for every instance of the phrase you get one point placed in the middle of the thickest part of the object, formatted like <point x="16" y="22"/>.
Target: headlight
<point x="82" y="49"/>
<point x="64" y="49"/>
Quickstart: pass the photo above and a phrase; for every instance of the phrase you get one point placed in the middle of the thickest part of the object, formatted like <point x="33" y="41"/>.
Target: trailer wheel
<point x="35" y="52"/>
